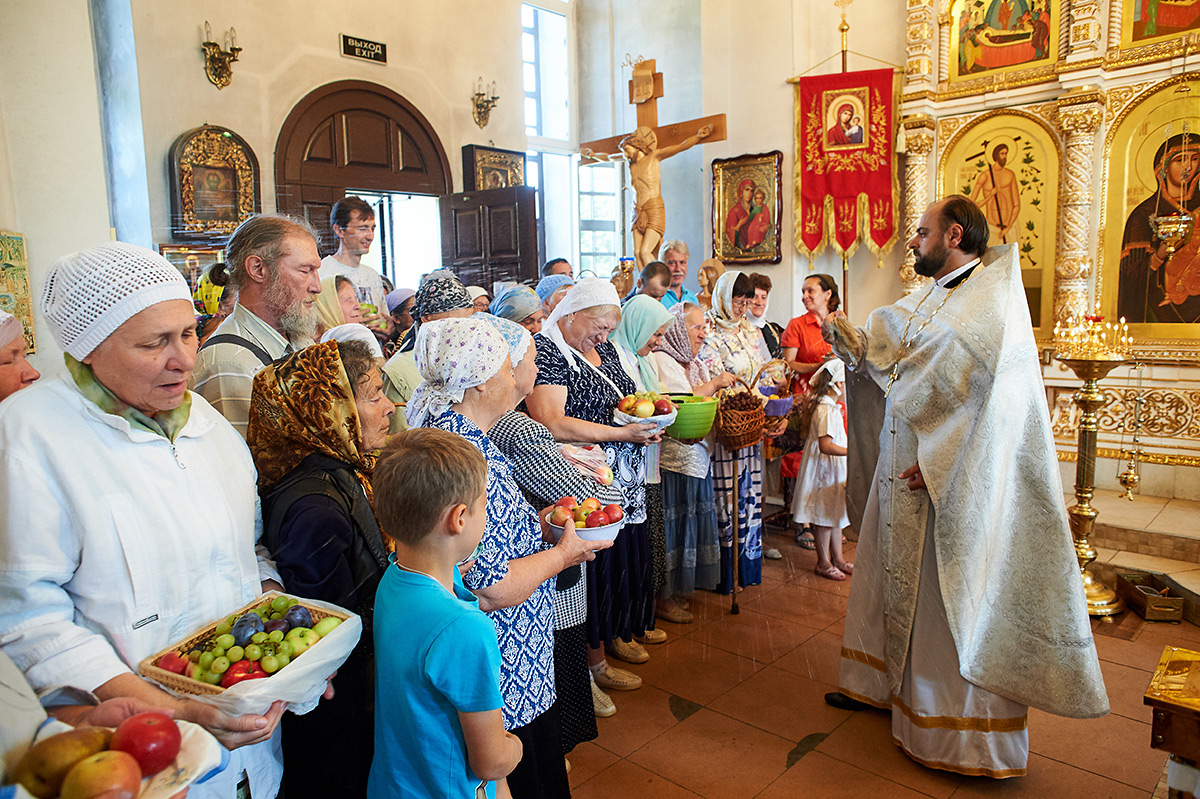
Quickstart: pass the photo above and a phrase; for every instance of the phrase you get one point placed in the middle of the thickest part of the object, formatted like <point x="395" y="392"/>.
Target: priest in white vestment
<point x="967" y="605"/>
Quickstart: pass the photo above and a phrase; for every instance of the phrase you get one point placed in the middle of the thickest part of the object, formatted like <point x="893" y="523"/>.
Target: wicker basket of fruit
<point x="740" y="417"/>
<point x="256" y="642"/>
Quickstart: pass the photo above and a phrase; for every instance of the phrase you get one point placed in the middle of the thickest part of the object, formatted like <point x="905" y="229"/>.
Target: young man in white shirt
<point x="353" y="222"/>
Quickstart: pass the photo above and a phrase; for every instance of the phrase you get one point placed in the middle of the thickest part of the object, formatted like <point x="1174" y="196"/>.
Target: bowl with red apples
<point x="643" y="407"/>
<point x="593" y="521"/>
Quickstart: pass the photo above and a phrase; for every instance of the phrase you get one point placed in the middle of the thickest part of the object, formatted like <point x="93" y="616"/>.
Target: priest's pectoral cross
<point x="644" y="148"/>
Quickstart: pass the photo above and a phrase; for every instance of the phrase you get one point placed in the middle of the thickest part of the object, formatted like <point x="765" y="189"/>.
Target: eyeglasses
<point x="740" y="302"/>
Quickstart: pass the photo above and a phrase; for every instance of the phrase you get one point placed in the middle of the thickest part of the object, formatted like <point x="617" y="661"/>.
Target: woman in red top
<point x="803" y="347"/>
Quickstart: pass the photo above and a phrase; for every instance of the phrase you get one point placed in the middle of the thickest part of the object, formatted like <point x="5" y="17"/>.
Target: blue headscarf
<point x="552" y="283"/>
<point x="516" y="337"/>
<point x="516" y="303"/>
<point x="641" y="318"/>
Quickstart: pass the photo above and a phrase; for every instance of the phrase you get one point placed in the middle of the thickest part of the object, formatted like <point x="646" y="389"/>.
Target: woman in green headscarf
<point x="644" y="320"/>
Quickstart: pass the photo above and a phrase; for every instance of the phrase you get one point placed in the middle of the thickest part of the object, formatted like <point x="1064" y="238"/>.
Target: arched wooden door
<point x="357" y="134"/>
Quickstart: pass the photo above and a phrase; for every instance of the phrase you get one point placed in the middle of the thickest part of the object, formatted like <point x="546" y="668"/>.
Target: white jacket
<point x="115" y="543"/>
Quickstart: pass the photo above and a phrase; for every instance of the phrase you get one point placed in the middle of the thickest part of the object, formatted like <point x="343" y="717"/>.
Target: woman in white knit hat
<point x="127" y="504"/>
<point x="16" y="372"/>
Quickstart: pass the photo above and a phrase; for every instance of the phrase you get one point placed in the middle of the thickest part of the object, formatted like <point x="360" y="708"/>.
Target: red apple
<point x="173" y="662"/>
<point x="662" y="407"/>
<point x="591" y="503"/>
<point x="625" y="405"/>
<point x="644" y="409"/>
<point x="605" y="477"/>
<point x="111" y="774"/>
<point x="614" y="513"/>
<point x="151" y="738"/>
<point x="566" y="502"/>
<point x="560" y="516"/>
<point x="597" y="518"/>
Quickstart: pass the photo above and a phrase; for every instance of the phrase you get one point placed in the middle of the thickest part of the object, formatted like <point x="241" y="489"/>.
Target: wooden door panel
<point x="468" y="234"/>
<point x="503" y="232"/>
<point x="366" y="140"/>
<point x="490" y="235"/>
<point x="319" y="149"/>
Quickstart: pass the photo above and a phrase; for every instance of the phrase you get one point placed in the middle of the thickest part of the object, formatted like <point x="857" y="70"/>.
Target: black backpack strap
<point x="230" y="338"/>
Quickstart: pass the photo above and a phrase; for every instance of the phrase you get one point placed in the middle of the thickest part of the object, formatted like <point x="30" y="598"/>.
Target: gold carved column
<point x="918" y="144"/>
<point x="1080" y="112"/>
<point x="1087" y="29"/>
<point x="919" y="72"/>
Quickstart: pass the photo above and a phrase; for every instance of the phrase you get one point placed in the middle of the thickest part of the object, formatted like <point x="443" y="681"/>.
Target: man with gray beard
<point x="272" y="261"/>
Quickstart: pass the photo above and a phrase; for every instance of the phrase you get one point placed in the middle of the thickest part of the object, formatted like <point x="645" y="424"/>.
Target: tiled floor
<point x="733" y="708"/>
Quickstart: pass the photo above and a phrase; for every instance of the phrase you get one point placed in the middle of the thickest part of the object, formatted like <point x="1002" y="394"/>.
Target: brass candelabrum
<point x="1091" y="349"/>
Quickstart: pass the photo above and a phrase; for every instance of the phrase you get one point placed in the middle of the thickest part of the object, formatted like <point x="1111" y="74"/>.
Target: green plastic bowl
<point x="695" y="416"/>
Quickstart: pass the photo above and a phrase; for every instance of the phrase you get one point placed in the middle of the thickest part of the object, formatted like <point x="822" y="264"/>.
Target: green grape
<point x="276" y="615"/>
<point x="206" y="660"/>
<point x="284" y="648"/>
<point x="258" y="638"/>
<point x="279" y="603"/>
<point x="224" y="628"/>
<point x="275" y="636"/>
<point x="218" y="652"/>
<point x="195" y="654"/>
<point x="212" y="678"/>
<point x="235" y="654"/>
<point x="283" y="659"/>
<point x="270" y="664"/>
<point x="225" y="641"/>
<point x="198" y="675"/>
<point x="293" y="601"/>
<point x="262" y="612"/>
<point x="220" y="665"/>
<point x="253" y="652"/>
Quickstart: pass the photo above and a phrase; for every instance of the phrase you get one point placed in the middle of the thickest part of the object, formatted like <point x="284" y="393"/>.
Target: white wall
<point x="52" y="180"/>
<point x="435" y="53"/>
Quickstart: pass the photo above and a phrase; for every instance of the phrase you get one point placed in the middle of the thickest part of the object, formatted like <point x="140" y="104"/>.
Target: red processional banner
<point x="846" y="161"/>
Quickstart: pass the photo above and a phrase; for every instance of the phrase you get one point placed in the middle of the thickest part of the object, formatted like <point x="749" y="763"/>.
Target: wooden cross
<point x="645" y="87"/>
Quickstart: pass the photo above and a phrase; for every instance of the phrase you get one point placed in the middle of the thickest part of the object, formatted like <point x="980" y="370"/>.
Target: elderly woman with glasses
<point x="735" y="345"/>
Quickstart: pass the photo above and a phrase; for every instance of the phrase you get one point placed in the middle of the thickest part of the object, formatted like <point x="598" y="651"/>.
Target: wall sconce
<point x="216" y="60"/>
<point x="483" y="102"/>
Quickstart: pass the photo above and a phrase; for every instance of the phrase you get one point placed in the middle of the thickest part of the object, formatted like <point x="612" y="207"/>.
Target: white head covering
<point x="721" y="313"/>
<point x="516" y="337"/>
<point x="453" y="355"/>
<point x="89" y="294"/>
<point x="587" y="293"/>
<point x="10" y="328"/>
<point x="476" y="292"/>
<point x="836" y="369"/>
<point x="354" y="332"/>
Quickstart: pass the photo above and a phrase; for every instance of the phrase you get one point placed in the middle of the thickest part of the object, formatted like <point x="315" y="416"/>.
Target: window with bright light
<point x="600" y="217"/>
<point x="546" y="73"/>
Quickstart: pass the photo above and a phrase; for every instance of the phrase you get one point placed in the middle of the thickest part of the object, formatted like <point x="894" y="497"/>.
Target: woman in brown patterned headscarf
<point x="317" y="418"/>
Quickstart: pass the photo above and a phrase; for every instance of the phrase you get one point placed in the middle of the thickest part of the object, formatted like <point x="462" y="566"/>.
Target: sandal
<point x="829" y="572"/>
<point x="805" y="540"/>
<point x="845" y="566"/>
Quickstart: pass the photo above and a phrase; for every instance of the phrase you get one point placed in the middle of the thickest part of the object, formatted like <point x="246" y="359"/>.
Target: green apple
<point x="326" y="625"/>
<point x="301" y="638"/>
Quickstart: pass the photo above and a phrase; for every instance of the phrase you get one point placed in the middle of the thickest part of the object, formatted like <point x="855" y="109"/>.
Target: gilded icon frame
<point x="214" y="184"/>
<point x="181" y="257"/>
<point x="1048" y="35"/>
<point x="764" y="229"/>
<point x="491" y="168"/>
<point x="15" y="291"/>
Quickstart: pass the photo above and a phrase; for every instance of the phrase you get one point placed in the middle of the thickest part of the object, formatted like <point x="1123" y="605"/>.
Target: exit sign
<point x="355" y="47"/>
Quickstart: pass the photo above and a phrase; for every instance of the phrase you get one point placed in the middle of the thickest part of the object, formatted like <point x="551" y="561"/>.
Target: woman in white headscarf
<point x="580" y="380"/>
<point x="469" y="384"/>
<point x="16" y="372"/>
<point x="734" y="345"/>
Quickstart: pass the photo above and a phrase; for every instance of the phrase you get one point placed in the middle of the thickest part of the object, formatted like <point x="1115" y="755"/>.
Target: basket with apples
<point x="645" y="406"/>
<point x="261" y="642"/>
<point x="148" y="755"/>
<point x="592" y="521"/>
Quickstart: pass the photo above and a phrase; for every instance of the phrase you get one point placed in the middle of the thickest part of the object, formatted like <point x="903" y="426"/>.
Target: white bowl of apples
<point x="592" y="521"/>
<point x="645" y="407"/>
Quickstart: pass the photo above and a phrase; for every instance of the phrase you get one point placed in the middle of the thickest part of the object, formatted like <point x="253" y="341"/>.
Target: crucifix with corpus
<point x="644" y="149"/>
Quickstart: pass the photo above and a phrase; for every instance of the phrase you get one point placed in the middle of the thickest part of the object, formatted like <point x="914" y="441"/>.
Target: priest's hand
<point x="916" y="482"/>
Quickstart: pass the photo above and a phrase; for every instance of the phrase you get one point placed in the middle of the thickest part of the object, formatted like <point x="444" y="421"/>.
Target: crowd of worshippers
<point x="185" y="464"/>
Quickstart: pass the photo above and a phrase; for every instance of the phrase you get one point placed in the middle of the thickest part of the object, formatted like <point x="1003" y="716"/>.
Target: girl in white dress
<point x="820" y="498"/>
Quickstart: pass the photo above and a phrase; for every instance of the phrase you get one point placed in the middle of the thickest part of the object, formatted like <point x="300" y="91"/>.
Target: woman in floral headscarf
<point x="734" y="345"/>
<point x="469" y="384"/>
<point x="316" y="419"/>
<point x="689" y="504"/>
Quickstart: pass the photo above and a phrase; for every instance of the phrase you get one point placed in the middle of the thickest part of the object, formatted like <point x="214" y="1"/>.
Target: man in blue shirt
<point x="675" y="256"/>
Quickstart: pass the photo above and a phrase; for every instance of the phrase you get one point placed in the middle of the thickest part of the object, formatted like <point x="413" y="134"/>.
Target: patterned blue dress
<point x="525" y="632"/>
<point x="619" y="581"/>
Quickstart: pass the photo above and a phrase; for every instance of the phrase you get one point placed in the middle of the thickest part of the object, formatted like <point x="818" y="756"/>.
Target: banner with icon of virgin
<point x="845" y="171"/>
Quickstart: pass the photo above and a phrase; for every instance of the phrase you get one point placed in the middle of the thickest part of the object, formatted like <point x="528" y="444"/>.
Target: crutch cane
<point x="737" y="552"/>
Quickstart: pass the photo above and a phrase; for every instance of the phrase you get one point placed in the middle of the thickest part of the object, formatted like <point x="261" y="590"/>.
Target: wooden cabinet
<point x="490" y="236"/>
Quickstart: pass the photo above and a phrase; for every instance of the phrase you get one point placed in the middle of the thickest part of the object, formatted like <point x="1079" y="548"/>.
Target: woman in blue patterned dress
<point x="468" y="385"/>
<point x="580" y="379"/>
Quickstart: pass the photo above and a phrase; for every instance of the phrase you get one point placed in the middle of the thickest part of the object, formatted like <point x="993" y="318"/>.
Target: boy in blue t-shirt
<point x="438" y="730"/>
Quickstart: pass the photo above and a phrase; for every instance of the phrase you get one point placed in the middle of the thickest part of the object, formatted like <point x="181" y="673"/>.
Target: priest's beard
<point x="929" y="265"/>
<point x="297" y="318"/>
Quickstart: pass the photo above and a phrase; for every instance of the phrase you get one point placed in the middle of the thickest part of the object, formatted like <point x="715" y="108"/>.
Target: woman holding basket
<point x="734" y="345"/>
